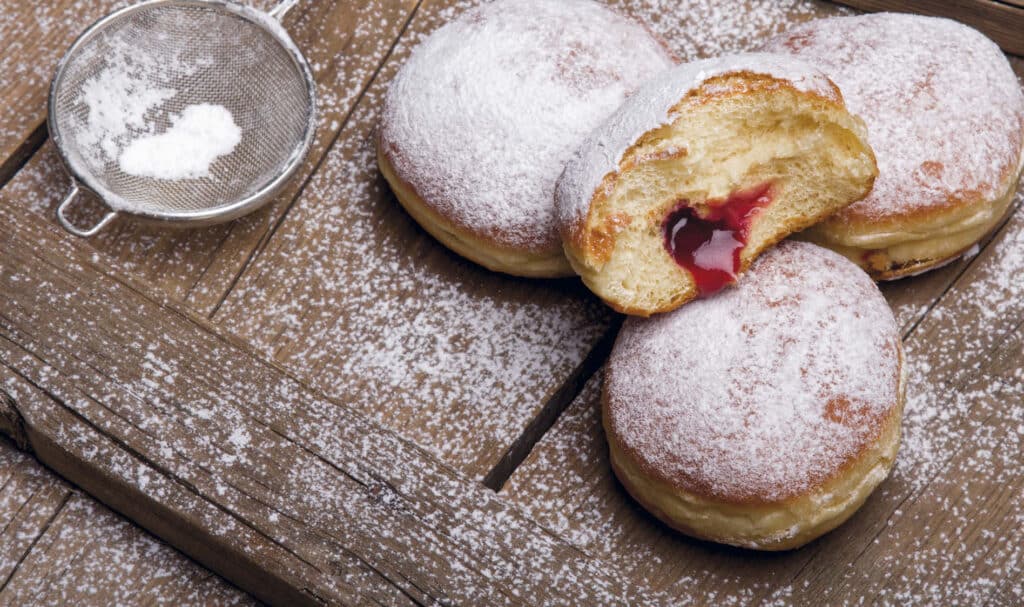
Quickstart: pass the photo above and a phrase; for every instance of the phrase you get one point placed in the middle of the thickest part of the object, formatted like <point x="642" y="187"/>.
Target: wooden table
<point x="321" y="404"/>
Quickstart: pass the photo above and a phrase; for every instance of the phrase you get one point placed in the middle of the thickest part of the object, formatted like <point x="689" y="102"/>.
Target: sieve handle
<point x="70" y="227"/>
<point x="281" y="9"/>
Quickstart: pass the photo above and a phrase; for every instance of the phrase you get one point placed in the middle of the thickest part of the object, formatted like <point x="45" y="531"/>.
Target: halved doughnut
<point x="700" y="171"/>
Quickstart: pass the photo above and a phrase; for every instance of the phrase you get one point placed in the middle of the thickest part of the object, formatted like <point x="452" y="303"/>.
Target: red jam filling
<point x="709" y="247"/>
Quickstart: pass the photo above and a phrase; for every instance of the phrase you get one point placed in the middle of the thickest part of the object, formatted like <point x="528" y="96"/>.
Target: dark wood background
<point x="323" y="405"/>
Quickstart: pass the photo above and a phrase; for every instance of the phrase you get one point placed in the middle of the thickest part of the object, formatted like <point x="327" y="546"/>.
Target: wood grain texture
<point x="511" y="344"/>
<point x="59" y="547"/>
<point x="292" y="496"/>
<point x="30" y="498"/>
<point x="33" y="36"/>
<point x="944" y="529"/>
<point x="1001" y="21"/>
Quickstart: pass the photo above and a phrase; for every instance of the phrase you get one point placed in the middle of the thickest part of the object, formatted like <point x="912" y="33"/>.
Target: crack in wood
<point x="21" y="154"/>
<point x="35" y="540"/>
<point x="12" y="424"/>
<point x="163" y="471"/>
<point x="546" y="417"/>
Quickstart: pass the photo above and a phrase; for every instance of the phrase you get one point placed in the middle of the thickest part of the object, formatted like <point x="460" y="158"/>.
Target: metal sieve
<point x="135" y="72"/>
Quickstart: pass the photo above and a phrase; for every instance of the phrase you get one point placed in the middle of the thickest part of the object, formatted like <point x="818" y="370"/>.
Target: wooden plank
<point x="292" y="496"/>
<point x="58" y="546"/>
<point x="353" y="296"/>
<point x="33" y="36"/>
<point x="1002" y="21"/>
<point x="943" y="530"/>
<point x="29" y="501"/>
<point x="172" y="510"/>
<point x="344" y="43"/>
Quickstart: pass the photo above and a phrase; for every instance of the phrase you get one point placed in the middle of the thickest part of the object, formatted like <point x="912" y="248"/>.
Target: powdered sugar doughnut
<point x="478" y="124"/>
<point x="945" y="116"/>
<point x="764" y="416"/>
<point x="706" y="166"/>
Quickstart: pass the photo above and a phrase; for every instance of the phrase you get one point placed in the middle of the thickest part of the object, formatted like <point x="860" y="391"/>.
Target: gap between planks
<point x="563" y="396"/>
<point x="23" y="153"/>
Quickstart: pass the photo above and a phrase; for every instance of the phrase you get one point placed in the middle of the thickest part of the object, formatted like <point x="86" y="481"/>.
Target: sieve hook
<point x="70" y="227"/>
<point x="278" y="12"/>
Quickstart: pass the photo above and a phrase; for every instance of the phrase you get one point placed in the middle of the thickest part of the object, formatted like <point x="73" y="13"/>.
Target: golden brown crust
<point x="918" y="244"/>
<point x="594" y="243"/>
<point x="768" y="539"/>
<point x="755" y="521"/>
<point x="468" y="243"/>
<point x="685" y="484"/>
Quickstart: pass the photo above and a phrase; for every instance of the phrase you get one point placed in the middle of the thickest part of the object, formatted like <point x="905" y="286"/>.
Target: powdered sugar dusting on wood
<point x="66" y="548"/>
<point x="352" y="295"/>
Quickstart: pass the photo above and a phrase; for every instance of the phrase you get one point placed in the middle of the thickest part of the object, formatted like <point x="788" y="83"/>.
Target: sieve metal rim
<point x="83" y="180"/>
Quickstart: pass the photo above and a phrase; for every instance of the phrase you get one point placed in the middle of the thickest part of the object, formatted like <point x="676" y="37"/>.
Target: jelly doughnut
<point x="479" y="122"/>
<point x="945" y="116"/>
<point x="706" y="166"/>
<point x="762" y="417"/>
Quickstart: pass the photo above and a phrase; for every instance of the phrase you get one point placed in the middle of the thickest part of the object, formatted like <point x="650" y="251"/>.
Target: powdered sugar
<point x="123" y="99"/>
<point x="698" y="29"/>
<point x="353" y="297"/>
<point x="944" y="111"/>
<point x="197" y="137"/>
<point x="764" y="390"/>
<point x="118" y="103"/>
<point x="482" y="118"/>
<point x="650" y="108"/>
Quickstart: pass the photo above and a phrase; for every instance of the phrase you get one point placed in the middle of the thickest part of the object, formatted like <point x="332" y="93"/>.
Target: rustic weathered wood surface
<point x="58" y="546"/>
<point x="315" y="400"/>
<point x="1001" y="20"/>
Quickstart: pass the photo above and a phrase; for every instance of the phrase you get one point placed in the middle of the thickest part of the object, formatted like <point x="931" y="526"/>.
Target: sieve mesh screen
<point x="134" y="74"/>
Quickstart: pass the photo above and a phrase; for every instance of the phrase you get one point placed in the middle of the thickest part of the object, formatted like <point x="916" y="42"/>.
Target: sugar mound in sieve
<point x="200" y="135"/>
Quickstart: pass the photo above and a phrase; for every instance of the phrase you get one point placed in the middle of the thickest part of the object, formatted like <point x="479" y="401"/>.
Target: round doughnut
<point x="945" y="116"/>
<point x="706" y="166"/>
<point x="762" y="417"/>
<point x="479" y="122"/>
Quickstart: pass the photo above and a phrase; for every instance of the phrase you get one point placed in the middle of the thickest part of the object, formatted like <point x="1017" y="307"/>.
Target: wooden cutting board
<point x="323" y="405"/>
